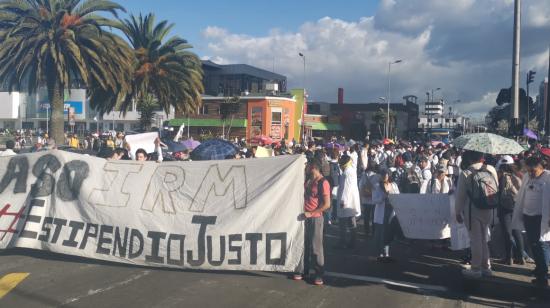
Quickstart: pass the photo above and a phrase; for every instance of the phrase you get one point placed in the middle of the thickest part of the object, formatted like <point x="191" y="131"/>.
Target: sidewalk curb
<point x="503" y="288"/>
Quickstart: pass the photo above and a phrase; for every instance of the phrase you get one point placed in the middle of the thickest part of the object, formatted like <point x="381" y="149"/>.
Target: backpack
<point x="334" y="174"/>
<point x="483" y="191"/>
<point x="320" y="191"/>
<point x="507" y="192"/>
<point x="367" y="188"/>
<point x="399" y="161"/>
<point x="411" y="182"/>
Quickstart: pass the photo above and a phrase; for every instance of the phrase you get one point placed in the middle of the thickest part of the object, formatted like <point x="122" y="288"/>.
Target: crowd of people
<point x="348" y="180"/>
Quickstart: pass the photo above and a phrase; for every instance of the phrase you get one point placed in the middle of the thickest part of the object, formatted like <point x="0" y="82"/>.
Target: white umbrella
<point x="488" y="143"/>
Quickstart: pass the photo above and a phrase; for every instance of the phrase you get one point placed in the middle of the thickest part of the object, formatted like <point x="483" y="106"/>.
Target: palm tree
<point x="164" y="67"/>
<point x="380" y="117"/>
<point x="60" y="44"/>
<point x="146" y="108"/>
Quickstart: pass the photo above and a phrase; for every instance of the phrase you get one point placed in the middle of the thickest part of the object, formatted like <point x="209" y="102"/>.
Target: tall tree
<point x="164" y="66"/>
<point x="379" y="118"/>
<point x="147" y="107"/>
<point x="60" y="44"/>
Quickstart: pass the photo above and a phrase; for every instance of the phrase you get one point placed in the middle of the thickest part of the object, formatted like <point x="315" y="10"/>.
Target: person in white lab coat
<point x="532" y="214"/>
<point x="383" y="214"/>
<point x="349" y="203"/>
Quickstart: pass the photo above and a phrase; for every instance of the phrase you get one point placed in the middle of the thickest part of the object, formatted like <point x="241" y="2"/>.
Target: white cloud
<point x="463" y="46"/>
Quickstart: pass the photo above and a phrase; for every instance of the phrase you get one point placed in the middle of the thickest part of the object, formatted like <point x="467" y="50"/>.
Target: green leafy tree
<point x="164" y="67"/>
<point x="60" y="44"/>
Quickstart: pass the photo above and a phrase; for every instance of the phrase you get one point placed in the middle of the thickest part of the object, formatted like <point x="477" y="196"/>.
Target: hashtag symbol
<point x="16" y="216"/>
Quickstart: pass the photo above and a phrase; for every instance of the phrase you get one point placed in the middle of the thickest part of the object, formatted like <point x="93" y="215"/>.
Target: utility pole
<point x="389" y="97"/>
<point x="515" y="66"/>
<point x="529" y="80"/>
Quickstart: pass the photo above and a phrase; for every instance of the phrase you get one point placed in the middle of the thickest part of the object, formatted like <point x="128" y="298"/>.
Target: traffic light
<point x="531" y="77"/>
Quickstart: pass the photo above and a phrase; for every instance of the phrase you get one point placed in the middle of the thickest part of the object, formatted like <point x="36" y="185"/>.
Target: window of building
<point x="276" y="121"/>
<point x="276" y="117"/>
<point x="436" y="120"/>
<point x="454" y="120"/>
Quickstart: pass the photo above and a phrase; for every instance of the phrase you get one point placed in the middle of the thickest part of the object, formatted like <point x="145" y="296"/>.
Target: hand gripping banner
<point x="226" y="215"/>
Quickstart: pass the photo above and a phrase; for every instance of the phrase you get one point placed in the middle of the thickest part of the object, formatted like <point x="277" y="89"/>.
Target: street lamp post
<point x="383" y="99"/>
<point x="434" y="90"/>
<point x="389" y="96"/>
<point x="304" y="85"/>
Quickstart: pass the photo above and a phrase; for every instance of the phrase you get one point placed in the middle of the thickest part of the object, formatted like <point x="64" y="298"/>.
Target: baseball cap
<point x="505" y="160"/>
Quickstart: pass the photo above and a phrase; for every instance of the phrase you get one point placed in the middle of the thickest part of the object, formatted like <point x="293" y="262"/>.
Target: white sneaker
<point x="487" y="273"/>
<point x="471" y="273"/>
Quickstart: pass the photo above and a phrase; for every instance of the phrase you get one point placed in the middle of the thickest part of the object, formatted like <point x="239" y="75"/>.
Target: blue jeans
<point x="540" y="249"/>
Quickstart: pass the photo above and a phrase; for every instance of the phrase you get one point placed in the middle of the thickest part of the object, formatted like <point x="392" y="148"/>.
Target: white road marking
<point x="388" y="282"/>
<point x="112" y="286"/>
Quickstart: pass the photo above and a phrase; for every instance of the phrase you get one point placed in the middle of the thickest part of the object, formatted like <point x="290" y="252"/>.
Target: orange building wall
<point x="267" y="106"/>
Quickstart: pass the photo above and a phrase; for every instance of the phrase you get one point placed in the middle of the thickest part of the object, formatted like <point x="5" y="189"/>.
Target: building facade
<point x="237" y="79"/>
<point x="543" y="106"/>
<point x="32" y="111"/>
<point x="359" y="120"/>
<point x="251" y="116"/>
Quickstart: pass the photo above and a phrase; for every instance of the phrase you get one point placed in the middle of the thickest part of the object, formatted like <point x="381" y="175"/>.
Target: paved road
<point x="420" y="278"/>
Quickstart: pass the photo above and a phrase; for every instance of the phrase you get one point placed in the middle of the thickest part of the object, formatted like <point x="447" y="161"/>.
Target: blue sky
<point x="255" y="18"/>
<point x="461" y="46"/>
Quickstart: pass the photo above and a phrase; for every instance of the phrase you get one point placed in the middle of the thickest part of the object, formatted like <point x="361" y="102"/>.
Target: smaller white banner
<point x="423" y="216"/>
<point x="144" y="141"/>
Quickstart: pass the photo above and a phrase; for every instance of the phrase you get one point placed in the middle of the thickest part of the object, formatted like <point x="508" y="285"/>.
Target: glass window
<point x="276" y="117"/>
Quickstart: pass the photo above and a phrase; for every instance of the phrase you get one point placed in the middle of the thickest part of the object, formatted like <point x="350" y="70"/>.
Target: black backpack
<point x="411" y="182"/>
<point x="483" y="190"/>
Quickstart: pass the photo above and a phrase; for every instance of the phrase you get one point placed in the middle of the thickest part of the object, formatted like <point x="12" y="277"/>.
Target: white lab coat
<point x="348" y="193"/>
<point x="517" y="218"/>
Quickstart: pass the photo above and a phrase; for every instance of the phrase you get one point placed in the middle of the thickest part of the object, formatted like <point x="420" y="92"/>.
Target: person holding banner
<point x="383" y="214"/>
<point x="316" y="202"/>
<point x="532" y="214"/>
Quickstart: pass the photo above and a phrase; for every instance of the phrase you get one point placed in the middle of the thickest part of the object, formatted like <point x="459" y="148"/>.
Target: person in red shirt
<point x="316" y="201"/>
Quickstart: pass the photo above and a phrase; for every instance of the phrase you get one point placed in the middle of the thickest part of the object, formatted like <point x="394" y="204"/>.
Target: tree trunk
<point x="55" y="95"/>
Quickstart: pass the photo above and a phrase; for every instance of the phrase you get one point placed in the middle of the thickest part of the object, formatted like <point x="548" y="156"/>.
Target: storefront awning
<point x="207" y="122"/>
<point x="324" y="126"/>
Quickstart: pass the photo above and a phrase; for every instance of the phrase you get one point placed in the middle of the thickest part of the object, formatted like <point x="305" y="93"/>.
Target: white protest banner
<point x="263" y="152"/>
<point x="228" y="215"/>
<point x="423" y="216"/>
<point x="144" y="141"/>
<point x="460" y="238"/>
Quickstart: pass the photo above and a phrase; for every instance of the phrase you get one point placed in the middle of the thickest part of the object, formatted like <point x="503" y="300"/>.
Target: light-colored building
<point x="32" y="111"/>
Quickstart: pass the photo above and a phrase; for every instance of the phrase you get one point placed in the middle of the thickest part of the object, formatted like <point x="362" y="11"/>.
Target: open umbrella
<point x="333" y="145"/>
<point x="190" y="143"/>
<point x="530" y="134"/>
<point x="265" y="140"/>
<point x="488" y="143"/>
<point x="214" y="149"/>
<point x="175" y="146"/>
